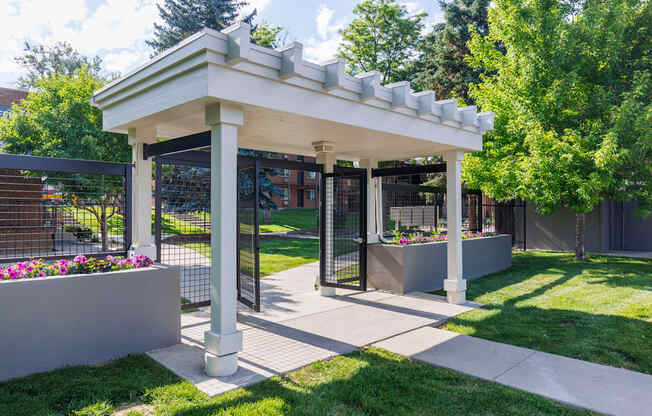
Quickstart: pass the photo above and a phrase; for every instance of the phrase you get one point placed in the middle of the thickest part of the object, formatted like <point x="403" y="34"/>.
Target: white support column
<point x="373" y="231"/>
<point x="142" y="241"/>
<point x="223" y="341"/>
<point x="326" y="156"/>
<point x="455" y="285"/>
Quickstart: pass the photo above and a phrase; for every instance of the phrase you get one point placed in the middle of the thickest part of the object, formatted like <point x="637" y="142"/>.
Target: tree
<point x="182" y="18"/>
<point x="42" y="61"/>
<point x="571" y="98"/>
<point x="442" y="66"/>
<point x="269" y="36"/>
<point x="57" y="120"/>
<point x="383" y="37"/>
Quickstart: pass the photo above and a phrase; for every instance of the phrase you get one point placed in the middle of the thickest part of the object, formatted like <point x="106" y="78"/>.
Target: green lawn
<point x="290" y="219"/>
<point x="599" y="310"/>
<point x="369" y="382"/>
<point x="276" y="255"/>
<point x="283" y="220"/>
<point x="169" y="224"/>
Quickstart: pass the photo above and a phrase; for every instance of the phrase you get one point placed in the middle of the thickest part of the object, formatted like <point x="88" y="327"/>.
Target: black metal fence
<point x="182" y="223"/>
<point x="59" y="208"/>
<point x="411" y="205"/>
<point x="343" y="229"/>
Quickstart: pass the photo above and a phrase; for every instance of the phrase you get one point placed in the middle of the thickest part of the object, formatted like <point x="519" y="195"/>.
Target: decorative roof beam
<point x="467" y="115"/>
<point x="401" y="95"/>
<point x="334" y="74"/>
<point x="292" y="63"/>
<point x="486" y="121"/>
<point x="239" y="45"/>
<point x="447" y="109"/>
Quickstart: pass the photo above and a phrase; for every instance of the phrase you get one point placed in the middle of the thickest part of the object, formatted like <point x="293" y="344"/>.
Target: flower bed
<point x="416" y="264"/>
<point x="421" y="238"/>
<point x="85" y="311"/>
<point x="80" y="265"/>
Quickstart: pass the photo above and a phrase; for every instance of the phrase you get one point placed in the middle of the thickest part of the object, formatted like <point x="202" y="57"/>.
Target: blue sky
<point x="117" y="29"/>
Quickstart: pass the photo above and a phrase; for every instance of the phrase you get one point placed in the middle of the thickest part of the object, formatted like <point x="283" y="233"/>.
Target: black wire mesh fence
<point x="344" y="231"/>
<point x="60" y="213"/>
<point x="182" y="227"/>
<point x="248" y="281"/>
<point x="411" y="204"/>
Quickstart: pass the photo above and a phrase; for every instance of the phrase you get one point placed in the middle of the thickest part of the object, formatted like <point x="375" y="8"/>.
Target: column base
<point x="455" y="291"/>
<point x="456" y="298"/>
<point x="149" y="251"/>
<point x="326" y="291"/>
<point x="220" y="366"/>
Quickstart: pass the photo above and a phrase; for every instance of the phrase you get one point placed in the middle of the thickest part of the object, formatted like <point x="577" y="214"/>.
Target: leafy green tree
<point x="43" y="61"/>
<point x="269" y="36"/>
<point x="182" y="18"/>
<point x="383" y="37"/>
<point x="571" y="98"/>
<point x="57" y="120"/>
<point x="442" y="66"/>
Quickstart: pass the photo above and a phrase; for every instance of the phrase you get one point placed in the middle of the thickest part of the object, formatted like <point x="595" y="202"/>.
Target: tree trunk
<point x="580" y="254"/>
<point x="473" y="213"/>
<point x="267" y="215"/>
<point x="103" y="227"/>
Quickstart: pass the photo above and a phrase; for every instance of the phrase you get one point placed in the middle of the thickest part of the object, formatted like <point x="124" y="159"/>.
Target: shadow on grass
<point x="597" y="311"/>
<point x="369" y="382"/>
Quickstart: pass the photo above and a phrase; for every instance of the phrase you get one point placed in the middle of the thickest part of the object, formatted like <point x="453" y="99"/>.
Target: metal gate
<point x="248" y="266"/>
<point x="182" y="222"/>
<point x="343" y="229"/>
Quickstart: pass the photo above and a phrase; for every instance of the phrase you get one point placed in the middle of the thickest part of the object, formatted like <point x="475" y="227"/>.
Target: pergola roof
<point x="288" y="102"/>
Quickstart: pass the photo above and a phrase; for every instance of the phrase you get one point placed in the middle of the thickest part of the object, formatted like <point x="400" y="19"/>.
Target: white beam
<point x="142" y="241"/>
<point x="455" y="285"/>
<point x="223" y="341"/>
<point x="373" y="230"/>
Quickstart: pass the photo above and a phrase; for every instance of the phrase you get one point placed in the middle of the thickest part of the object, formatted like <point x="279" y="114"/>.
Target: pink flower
<point x="80" y="259"/>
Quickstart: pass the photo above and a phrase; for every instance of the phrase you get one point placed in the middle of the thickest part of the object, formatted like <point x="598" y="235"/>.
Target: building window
<point x="285" y="194"/>
<point x="310" y="195"/>
<point x="312" y="175"/>
<point x="285" y="173"/>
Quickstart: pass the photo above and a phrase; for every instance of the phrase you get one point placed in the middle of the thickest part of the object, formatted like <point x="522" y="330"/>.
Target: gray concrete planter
<point x="423" y="267"/>
<point x="86" y="319"/>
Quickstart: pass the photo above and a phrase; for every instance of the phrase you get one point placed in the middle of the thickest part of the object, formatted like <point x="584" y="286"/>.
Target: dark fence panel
<point x="411" y="203"/>
<point x="182" y="223"/>
<point x="59" y="208"/>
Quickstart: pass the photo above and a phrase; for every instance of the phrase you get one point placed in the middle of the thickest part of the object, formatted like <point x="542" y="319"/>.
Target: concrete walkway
<point x="297" y="327"/>
<point x="599" y="388"/>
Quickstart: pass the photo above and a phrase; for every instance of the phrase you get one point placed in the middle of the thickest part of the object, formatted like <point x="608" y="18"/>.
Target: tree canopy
<point x="441" y="66"/>
<point x="56" y="120"/>
<point x="182" y="18"/>
<point x="42" y="61"/>
<point x="570" y="86"/>
<point x="382" y="37"/>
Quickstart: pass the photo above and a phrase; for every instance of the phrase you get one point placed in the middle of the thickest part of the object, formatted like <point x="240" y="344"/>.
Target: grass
<point x="368" y="382"/>
<point x="599" y="310"/>
<point x="290" y="219"/>
<point x="276" y="255"/>
<point x="283" y="220"/>
<point x="115" y="225"/>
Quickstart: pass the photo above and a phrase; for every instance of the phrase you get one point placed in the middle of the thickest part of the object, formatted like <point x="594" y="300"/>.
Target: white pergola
<point x="258" y="98"/>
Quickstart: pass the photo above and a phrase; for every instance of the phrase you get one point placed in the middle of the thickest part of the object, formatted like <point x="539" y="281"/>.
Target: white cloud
<point x="324" y="45"/>
<point x="323" y="19"/>
<point x="115" y="30"/>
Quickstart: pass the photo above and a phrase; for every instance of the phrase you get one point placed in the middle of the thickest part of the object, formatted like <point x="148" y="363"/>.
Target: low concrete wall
<point x="86" y="319"/>
<point x="423" y="267"/>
